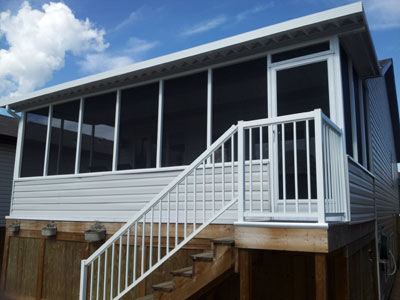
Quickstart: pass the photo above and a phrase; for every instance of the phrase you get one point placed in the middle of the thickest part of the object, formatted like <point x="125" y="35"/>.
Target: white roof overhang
<point x="346" y="21"/>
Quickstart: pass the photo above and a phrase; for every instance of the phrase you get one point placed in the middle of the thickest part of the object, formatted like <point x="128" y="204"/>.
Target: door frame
<point x="334" y="107"/>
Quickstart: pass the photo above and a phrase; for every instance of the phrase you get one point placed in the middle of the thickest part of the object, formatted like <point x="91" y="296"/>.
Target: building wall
<point x="361" y="186"/>
<point x="384" y="167"/>
<point x="7" y="154"/>
<point x="118" y="197"/>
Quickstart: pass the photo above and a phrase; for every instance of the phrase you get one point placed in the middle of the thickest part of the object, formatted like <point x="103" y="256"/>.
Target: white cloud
<point x="99" y="62"/>
<point x="38" y="41"/>
<point x="383" y="14"/>
<point x="127" y="21"/>
<point x="135" y="50"/>
<point x="256" y="9"/>
<point x="205" y="26"/>
<point x="137" y="46"/>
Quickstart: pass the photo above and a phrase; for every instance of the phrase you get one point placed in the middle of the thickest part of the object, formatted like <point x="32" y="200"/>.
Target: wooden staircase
<point x="208" y="267"/>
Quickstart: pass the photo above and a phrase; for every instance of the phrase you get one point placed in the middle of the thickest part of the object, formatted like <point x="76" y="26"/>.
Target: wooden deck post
<point x="245" y="274"/>
<point x="5" y="262"/>
<point x="321" y="277"/>
<point x="39" y="281"/>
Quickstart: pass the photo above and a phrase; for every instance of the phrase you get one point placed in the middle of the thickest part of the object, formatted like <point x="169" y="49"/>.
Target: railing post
<point x="241" y="172"/>
<point x="319" y="158"/>
<point x="83" y="282"/>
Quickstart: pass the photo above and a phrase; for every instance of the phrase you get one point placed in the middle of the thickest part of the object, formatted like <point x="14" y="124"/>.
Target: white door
<point x="300" y="86"/>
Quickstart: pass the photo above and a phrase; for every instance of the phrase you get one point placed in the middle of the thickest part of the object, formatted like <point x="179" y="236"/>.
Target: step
<point x="205" y="256"/>
<point x="224" y="241"/>
<point x="167" y="286"/>
<point x="148" y="297"/>
<point x="184" y="272"/>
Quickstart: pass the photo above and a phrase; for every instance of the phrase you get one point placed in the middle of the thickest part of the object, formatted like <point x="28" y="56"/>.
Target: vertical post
<point x="159" y="123"/>
<point x="321" y="274"/>
<point x="241" y="172"/>
<point x="353" y="111"/>
<point x="19" y="147"/>
<point x="82" y="288"/>
<point x="209" y="107"/>
<point x="116" y="130"/>
<point x="245" y="274"/>
<point x="79" y="137"/>
<point x="39" y="279"/>
<point x="319" y="145"/>
<point x="48" y="136"/>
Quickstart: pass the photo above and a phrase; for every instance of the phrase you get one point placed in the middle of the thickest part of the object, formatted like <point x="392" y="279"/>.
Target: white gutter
<point x="11" y="112"/>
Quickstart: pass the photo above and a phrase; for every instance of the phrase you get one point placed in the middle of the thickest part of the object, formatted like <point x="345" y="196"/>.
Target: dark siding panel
<point x="384" y="166"/>
<point x="7" y="154"/>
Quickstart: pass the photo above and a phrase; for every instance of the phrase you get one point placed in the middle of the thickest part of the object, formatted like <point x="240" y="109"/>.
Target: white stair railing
<point x="306" y="183"/>
<point x="199" y="195"/>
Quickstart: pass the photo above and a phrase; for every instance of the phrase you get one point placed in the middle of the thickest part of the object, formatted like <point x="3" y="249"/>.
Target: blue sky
<point x="93" y="36"/>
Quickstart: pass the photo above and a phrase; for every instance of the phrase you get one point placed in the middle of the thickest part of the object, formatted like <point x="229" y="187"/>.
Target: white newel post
<point x="82" y="288"/>
<point x="241" y="172"/>
<point x="319" y="158"/>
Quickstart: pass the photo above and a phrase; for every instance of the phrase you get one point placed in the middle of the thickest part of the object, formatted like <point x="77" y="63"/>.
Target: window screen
<point x="34" y="142"/>
<point x="98" y="133"/>
<point x="138" y="127"/>
<point x="184" y="119"/>
<point x="64" y="131"/>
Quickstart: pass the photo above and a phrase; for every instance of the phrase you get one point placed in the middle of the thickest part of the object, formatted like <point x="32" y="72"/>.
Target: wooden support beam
<point x="321" y="277"/>
<point x="39" y="280"/>
<point x="245" y="274"/>
<point x="5" y="261"/>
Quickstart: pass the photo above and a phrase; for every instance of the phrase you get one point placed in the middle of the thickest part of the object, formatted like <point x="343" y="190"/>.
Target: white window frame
<point x="331" y="56"/>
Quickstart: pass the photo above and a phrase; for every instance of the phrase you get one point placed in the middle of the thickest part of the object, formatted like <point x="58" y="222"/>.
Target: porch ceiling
<point x="346" y="21"/>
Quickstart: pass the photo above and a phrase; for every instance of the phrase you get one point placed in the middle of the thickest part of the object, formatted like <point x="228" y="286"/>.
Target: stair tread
<point x="224" y="241"/>
<point x="148" y="297"/>
<point x="184" y="272"/>
<point x="166" y="286"/>
<point x="204" y="256"/>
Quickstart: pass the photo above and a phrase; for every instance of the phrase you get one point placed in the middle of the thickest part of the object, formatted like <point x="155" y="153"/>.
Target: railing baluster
<point x="135" y="252"/>
<point x="233" y="164"/>
<point x="223" y="173"/>
<point x="159" y="231"/>
<point x="91" y="281"/>
<point x="251" y="168"/>
<point x="204" y="191"/>
<point x="98" y="278"/>
<point x="194" y="198"/>
<point x="112" y="271"/>
<point x="105" y="274"/>
<point x="151" y="238"/>
<point x="143" y="242"/>
<point x="283" y="167"/>
<point x="127" y="257"/>
<point x="241" y="172"/>
<point x="213" y="183"/>
<point x="308" y="165"/>
<point x="176" y="220"/>
<point x="296" y="185"/>
<point x="261" y="172"/>
<point x="119" y="264"/>
<point x="168" y="221"/>
<point x="185" y="205"/>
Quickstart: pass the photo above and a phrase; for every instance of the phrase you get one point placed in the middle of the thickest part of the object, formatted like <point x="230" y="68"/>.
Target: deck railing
<point x="283" y="168"/>
<point x="300" y="174"/>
